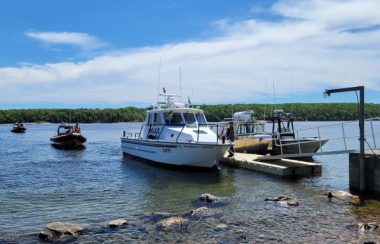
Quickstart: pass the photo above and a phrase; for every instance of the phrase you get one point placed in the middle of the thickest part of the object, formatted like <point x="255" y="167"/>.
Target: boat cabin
<point x="282" y="124"/>
<point x="177" y="117"/>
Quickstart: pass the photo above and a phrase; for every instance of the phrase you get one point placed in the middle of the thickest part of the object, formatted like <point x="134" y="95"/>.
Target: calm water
<point x="40" y="184"/>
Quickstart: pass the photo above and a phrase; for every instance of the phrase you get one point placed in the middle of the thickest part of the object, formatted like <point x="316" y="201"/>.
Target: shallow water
<point x="40" y="184"/>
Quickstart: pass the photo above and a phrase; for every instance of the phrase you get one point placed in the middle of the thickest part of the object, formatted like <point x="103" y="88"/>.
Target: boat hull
<point x="73" y="140"/>
<point x="265" y="146"/>
<point x="256" y="146"/>
<point x="204" y="155"/>
<point x="294" y="146"/>
<point x="18" y="130"/>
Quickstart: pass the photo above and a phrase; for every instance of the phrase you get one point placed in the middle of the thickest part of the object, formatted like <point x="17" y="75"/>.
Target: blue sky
<point x="107" y="53"/>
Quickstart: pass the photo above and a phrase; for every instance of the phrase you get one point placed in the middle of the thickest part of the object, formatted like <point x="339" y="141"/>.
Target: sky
<point x="98" y="54"/>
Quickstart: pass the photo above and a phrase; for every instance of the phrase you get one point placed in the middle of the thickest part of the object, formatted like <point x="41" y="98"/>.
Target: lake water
<point x="41" y="184"/>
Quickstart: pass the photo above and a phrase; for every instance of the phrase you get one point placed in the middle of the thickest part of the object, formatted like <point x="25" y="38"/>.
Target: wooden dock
<point x="280" y="167"/>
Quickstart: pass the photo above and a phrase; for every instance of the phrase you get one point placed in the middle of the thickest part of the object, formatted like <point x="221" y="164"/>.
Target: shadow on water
<point x="68" y="148"/>
<point x="150" y="170"/>
<point x="173" y="189"/>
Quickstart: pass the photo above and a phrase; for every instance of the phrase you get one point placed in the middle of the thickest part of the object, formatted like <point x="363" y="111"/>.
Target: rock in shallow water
<point x="56" y="230"/>
<point x="344" y="196"/>
<point x="47" y="235"/>
<point x="170" y="222"/>
<point x="65" y="228"/>
<point x="364" y="227"/>
<point x="221" y="227"/>
<point x="209" y="198"/>
<point x="292" y="202"/>
<point x="200" y="212"/>
<point x="284" y="200"/>
<point x="117" y="222"/>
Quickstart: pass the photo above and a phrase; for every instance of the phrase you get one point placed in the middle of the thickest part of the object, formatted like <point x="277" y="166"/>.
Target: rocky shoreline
<point x="208" y="213"/>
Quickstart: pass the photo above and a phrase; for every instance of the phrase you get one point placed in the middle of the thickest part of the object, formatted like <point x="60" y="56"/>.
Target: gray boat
<point x="250" y="135"/>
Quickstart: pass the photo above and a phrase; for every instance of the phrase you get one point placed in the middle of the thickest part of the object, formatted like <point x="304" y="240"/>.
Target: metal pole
<point x="361" y="127"/>
<point x="373" y="134"/>
<point x="319" y="138"/>
<point x="344" y="138"/>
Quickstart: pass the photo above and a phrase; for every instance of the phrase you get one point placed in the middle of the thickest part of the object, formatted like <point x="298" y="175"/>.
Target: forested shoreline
<point x="302" y="112"/>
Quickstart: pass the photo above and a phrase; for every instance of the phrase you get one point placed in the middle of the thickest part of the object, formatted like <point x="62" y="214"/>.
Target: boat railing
<point x="346" y="138"/>
<point x="254" y="134"/>
<point x="138" y="135"/>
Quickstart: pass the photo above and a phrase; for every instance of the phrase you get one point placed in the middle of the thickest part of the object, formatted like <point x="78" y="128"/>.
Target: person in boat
<point x="77" y="128"/>
<point x="69" y="131"/>
<point x="230" y="134"/>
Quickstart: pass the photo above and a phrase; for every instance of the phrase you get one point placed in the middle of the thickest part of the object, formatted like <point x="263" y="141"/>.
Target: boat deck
<point x="280" y="167"/>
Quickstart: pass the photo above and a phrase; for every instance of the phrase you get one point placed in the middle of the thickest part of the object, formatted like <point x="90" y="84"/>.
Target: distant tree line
<point x="302" y="112"/>
<point x="82" y="115"/>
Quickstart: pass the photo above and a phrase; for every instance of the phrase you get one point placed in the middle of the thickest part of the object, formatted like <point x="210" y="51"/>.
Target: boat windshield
<point x="250" y="128"/>
<point x="65" y="129"/>
<point x="173" y="119"/>
<point x="201" y="119"/>
<point x="189" y="118"/>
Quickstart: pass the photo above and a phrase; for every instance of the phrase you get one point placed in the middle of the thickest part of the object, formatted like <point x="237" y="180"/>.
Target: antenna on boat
<point x="192" y="93"/>
<point x="274" y="96"/>
<point x="291" y="99"/>
<point x="159" y="81"/>
<point x="180" y="84"/>
<point x="266" y="93"/>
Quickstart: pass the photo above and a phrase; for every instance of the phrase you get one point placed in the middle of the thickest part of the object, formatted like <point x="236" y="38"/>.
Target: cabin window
<point x="260" y="129"/>
<point x="157" y="119"/>
<point x="150" y="119"/>
<point x="173" y="118"/>
<point x="201" y="119"/>
<point x="189" y="118"/>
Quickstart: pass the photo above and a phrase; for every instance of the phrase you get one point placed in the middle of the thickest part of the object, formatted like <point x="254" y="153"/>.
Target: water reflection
<point x="171" y="189"/>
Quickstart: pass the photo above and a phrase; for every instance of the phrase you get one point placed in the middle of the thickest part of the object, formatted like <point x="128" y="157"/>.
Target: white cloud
<point x="332" y="13"/>
<point x="311" y="47"/>
<point x="82" y="40"/>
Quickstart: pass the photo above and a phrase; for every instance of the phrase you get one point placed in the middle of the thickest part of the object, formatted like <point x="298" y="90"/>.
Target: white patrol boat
<point x="176" y="134"/>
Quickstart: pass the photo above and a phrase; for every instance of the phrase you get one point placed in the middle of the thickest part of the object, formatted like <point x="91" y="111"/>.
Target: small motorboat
<point x="18" y="128"/>
<point x="285" y="140"/>
<point x="250" y="136"/>
<point x="248" y="133"/>
<point x="68" y="136"/>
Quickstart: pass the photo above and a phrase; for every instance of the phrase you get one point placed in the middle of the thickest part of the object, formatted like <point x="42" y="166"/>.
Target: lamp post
<point x="328" y="92"/>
